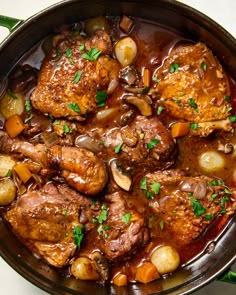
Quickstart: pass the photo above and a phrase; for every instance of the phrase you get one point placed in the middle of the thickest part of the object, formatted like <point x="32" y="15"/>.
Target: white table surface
<point x="222" y="12"/>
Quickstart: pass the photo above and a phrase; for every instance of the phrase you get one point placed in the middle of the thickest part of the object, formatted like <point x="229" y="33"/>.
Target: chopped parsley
<point x="192" y="103"/>
<point x="77" y="77"/>
<point x="57" y="56"/>
<point x="103" y="215"/>
<point x="194" y="126"/>
<point x="145" y="90"/>
<point x="94" y="202"/>
<point x="204" y="66"/>
<point x="232" y="119"/>
<point x="64" y="212"/>
<point x="118" y="148"/>
<point x="74" y="106"/>
<point x="9" y="172"/>
<point x="82" y="47"/>
<point x="68" y="55"/>
<point x="28" y="105"/>
<point x="101" y="97"/>
<point x="208" y="216"/>
<point x="92" y="54"/>
<point x="162" y="224"/>
<point x="198" y="209"/>
<point x="126" y="217"/>
<point x="159" y="110"/>
<point x="149" y="195"/>
<point x="155" y="186"/>
<point x="12" y="94"/>
<point x="143" y="183"/>
<point x="227" y="98"/>
<point x="174" y="68"/>
<point x="78" y="235"/>
<point x="155" y="79"/>
<point x="224" y="199"/>
<point x="213" y="197"/>
<point x="56" y="123"/>
<point x="100" y="229"/>
<point x="152" y="143"/>
<point x="28" y="118"/>
<point x="66" y="129"/>
<point x="178" y="101"/>
<point x="214" y="182"/>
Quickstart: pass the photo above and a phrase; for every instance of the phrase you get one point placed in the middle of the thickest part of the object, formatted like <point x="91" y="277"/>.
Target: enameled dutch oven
<point x="219" y="254"/>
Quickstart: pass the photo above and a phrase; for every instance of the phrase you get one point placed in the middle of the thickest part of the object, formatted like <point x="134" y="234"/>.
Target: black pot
<point x="218" y="254"/>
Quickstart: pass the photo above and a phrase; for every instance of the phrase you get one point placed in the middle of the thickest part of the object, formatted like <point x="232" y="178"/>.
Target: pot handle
<point x="228" y="277"/>
<point x="9" y="22"/>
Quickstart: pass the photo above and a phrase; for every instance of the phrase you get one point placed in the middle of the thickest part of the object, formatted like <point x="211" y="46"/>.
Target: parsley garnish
<point x="64" y="212"/>
<point x="145" y="90"/>
<point x="174" y="68"/>
<point x="193" y="126"/>
<point x="152" y="143"/>
<point x="77" y="77"/>
<point x="92" y="54"/>
<point x="9" y="172"/>
<point x="159" y="110"/>
<point x="74" y="106"/>
<point x="213" y="197"/>
<point x="58" y="55"/>
<point x="78" y="235"/>
<point x="155" y="186"/>
<point x="227" y="98"/>
<point x="162" y="224"/>
<point x="12" y="94"/>
<point x="224" y="199"/>
<point x="101" y="97"/>
<point x="103" y="215"/>
<point x="126" y="217"/>
<point x="214" y="182"/>
<point x="82" y="47"/>
<point x="198" y="209"/>
<point x="143" y="183"/>
<point x="149" y="195"/>
<point x="66" y="129"/>
<point x="155" y="79"/>
<point x="232" y="119"/>
<point x="203" y="66"/>
<point x="118" y="148"/>
<point x="28" y="105"/>
<point x="68" y="55"/>
<point x="208" y="216"/>
<point x="192" y="103"/>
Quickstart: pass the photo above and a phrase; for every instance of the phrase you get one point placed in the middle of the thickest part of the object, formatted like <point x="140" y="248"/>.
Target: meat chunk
<point x="188" y="204"/>
<point x="44" y="221"/>
<point x="193" y="86"/>
<point x="67" y="77"/>
<point x="124" y="230"/>
<point x="145" y="142"/>
<point x="81" y="168"/>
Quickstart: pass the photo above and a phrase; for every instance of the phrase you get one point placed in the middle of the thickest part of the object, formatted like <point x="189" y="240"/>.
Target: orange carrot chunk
<point x="14" y="126"/>
<point x="146" y="273"/>
<point x="120" y="280"/>
<point x="23" y="172"/>
<point x="179" y="129"/>
<point x="146" y="77"/>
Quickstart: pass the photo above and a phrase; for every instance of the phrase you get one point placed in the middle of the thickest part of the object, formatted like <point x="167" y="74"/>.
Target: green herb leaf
<point x="162" y="224"/>
<point x="100" y="229"/>
<point x="92" y="54"/>
<point x="64" y="212"/>
<point x="12" y="94"/>
<point x="77" y="77"/>
<point x="214" y="182"/>
<point x="213" y="197"/>
<point x="155" y="186"/>
<point x="103" y="215"/>
<point x="232" y="119"/>
<point x="9" y="172"/>
<point x="223" y="200"/>
<point x="78" y="235"/>
<point x="58" y="55"/>
<point x="82" y="47"/>
<point x="150" y="195"/>
<point x="192" y="103"/>
<point x="204" y="66"/>
<point x="68" y="55"/>
<point x="229" y="277"/>
<point x="101" y="97"/>
<point x="145" y="90"/>
<point x="126" y="217"/>
<point x="28" y="105"/>
<point x="143" y="183"/>
<point x="152" y="143"/>
<point x="194" y="126"/>
<point x="208" y="216"/>
<point x="159" y="110"/>
<point x="94" y="202"/>
<point x="227" y="98"/>
<point x="174" y="68"/>
<point x="178" y="101"/>
<point x="118" y="148"/>
<point x="74" y="106"/>
<point x="56" y="123"/>
<point x="198" y="209"/>
<point x="66" y="129"/>
<point x="29" y="118"/>
<point x="227" y="191"/>
<point x="155" y="79"/>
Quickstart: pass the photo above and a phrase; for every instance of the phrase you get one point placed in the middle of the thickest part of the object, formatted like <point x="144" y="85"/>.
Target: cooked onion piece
<point x="84" y="269"/>
<point x="126" y="51"/>
<point x="6" y="164"/>
<point x="211" y="161"/>
<point x="12" y="104"/>
<point x="7" y="191"/>
<point x="166" y="259"/>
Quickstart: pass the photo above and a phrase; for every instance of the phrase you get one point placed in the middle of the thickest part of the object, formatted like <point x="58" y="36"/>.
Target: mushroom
<point x="129" y="75"/>
<point x="121" y="178"/>
<point x="143" y="103"/>
<point x="101" y="265"/>
<point x="226" y="148"/>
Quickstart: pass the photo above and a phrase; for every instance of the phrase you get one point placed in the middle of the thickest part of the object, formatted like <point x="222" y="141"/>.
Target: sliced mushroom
<point x="127" y="117"/>
<point x="226" y="148"/>
<point x="129" y="75"/>
<point x="121" y="178"/>
<point x="143" y="103"/>
<point x="101" y="265"/>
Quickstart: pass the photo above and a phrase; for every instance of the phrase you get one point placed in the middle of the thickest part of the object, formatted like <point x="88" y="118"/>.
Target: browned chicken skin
<point x="57" y="87"/>
<point x="81" y="168"/>
<point x="44" y="220"/>
<point x="193" y="86"/>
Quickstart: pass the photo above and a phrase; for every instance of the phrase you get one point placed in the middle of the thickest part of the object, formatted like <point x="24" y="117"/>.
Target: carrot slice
<point x="146" y="77"/>
<point x="120" y="280"/>
<point x="146" y="273"/>
<point x="23" y="172"/>
<point x="179" y="129"/>
<point x="14" y="126"/>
